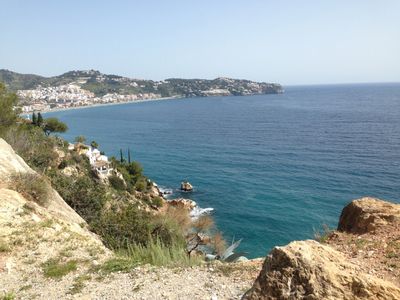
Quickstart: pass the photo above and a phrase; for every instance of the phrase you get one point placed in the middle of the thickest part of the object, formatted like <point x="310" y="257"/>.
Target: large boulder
<point x="10" y="162"/>
<point x="367" y="214"/>
<point x="310" y="270"/>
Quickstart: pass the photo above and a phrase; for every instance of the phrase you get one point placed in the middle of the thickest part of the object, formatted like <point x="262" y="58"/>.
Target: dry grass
<point x="33" y="187"/>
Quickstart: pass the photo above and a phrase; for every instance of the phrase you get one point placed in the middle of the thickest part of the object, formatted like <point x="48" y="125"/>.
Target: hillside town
<point x="70" y="96"/>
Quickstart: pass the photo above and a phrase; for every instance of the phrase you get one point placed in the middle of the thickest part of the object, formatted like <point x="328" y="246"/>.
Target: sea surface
<point x="273" y="167"/>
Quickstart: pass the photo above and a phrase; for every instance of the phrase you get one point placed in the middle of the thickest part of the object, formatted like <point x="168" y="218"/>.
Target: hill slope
<point x="101" y="84"/>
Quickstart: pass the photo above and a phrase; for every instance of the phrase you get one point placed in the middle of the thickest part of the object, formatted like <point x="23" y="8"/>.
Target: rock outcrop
<point x="367" y="214"/>
<point x="32" y="235"/>
<point x="11" y="164"/>
<point x="358" y="261"/>
<point x="310" y="270"/>
<point x="182" y="203"/>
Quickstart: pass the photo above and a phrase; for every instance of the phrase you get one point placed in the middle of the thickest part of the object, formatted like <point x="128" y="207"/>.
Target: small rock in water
<point x="186" y="186"/>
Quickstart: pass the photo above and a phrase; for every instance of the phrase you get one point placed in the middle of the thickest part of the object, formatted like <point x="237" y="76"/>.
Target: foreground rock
<point x="310" y="270"/>
<point x="367" y="214"/>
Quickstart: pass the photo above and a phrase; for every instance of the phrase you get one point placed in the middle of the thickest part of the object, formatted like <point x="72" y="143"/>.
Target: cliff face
<point x="11" y="164"/>
<point x="32" y="235"/>
<point x="359" y="260"/>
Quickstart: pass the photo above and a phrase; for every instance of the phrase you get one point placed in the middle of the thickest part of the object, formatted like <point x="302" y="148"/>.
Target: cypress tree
<point x="129" y="156"/>
<point x="39" y="120"/>
<point x="121" y="156"/>
<point x="34" y="118"/>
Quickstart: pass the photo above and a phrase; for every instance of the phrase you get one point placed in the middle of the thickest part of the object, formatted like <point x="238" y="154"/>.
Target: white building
<point x="98" y="161"/>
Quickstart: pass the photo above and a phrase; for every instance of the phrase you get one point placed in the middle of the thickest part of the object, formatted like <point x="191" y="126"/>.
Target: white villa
<point x="98" y="161"/>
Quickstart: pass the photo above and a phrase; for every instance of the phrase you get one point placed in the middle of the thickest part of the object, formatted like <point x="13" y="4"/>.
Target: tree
<point x="94" y="144"/>
<point x="54" y="125"/>
<point x="39" y="120"/>
<point x="129" y="156"/>
<point x="135" y="170"/>
<point x="121" y="156"/>
<point x="80" y="139"/>
<point x="8" y="101"/>
<point x="34" y="118"/>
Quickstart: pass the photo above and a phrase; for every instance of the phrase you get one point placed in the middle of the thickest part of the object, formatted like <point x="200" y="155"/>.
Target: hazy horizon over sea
<point x="274" y="167"/>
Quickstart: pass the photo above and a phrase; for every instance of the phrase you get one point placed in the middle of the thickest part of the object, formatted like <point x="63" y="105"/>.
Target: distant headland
<point x="87" y="88"/>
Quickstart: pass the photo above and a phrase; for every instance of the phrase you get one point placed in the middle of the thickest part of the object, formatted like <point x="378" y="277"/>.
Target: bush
<point x="33" y="187"/>
<point x="8" y="115"/>
<point x="141" y="185"/>
<point x="83" y="194"/>
<point x="157" y="201"/>
<point x="127" y="225"/>
<point x="117" y="183"/>
<point x="120" y="227"/>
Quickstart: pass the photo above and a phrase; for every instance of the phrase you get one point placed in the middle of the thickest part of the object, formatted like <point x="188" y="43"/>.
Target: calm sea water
<point x="274" y="167"/>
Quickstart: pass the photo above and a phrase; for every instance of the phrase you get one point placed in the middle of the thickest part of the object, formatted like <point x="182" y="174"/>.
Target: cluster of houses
<point x="98" y="161"/>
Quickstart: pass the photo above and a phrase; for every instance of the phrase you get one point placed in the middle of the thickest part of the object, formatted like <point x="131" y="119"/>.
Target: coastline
<point x="107" y="104"/>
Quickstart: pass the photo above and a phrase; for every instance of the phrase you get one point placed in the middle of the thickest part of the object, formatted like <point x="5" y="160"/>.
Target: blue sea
<point x="274" y="167"/>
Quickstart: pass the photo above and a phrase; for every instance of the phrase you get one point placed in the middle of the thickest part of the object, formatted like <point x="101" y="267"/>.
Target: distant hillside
<point x="102" y="84"/>
<point x="16" y="81"/>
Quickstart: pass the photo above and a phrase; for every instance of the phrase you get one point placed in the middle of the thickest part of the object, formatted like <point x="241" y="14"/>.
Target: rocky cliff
<point x="359" y="261"/>
<point x="33" y="236"/>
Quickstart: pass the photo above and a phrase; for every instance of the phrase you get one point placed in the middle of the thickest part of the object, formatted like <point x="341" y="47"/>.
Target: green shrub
<point x="8" y="296"/>
<point x="157" y="201"/>
<point x="117" y="183"/>
<point x="33" y="187"/>
<point x="53" y="268"/>
<point x="126" y="225"/>
<point x="141" y="185"/>
<point x="120" y="227"/>
<point x="8" y="101"/>
<point x="83" y="194"/>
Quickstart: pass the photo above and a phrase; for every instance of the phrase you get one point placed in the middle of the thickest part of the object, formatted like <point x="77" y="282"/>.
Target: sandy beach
<point x="107" y="104"/>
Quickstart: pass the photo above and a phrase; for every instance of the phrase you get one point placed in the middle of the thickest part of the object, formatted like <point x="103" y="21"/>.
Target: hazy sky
<point x="291" y="42"/>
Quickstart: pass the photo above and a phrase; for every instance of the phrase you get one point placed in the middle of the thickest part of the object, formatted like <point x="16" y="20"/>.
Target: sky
<point x="290" y="42"/>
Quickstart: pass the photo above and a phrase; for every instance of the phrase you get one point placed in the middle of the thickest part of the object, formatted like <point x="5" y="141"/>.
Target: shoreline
<point x="106" y="104"/>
